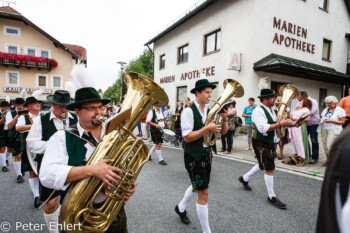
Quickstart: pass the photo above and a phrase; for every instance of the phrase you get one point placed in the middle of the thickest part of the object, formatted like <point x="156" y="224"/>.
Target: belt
<point x="161" y="120"/>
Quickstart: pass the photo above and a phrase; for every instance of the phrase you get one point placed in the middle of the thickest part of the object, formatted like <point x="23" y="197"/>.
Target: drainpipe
<point x="153" y="60"/>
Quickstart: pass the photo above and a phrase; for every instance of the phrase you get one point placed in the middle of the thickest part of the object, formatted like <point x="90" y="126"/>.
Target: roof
<point x="10" y="13"/>
<point x="77" y="49"/>
<point x="278" y="64"/>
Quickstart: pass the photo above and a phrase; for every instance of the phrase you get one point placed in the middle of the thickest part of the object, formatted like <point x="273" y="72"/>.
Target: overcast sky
<point x="110" y="30"/>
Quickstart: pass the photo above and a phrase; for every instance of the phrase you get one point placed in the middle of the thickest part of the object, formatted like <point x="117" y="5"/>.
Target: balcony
<point x="28" y="61"/>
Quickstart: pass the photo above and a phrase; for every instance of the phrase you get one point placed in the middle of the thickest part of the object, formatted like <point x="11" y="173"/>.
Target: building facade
<point x="304" y="43"/>
<point x="31" y="59"/>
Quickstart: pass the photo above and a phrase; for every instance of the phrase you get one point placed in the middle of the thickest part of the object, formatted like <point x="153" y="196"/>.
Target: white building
<point x="303" y="42"/>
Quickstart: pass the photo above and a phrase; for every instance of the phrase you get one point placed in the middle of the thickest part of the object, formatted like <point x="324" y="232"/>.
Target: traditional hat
<point x="19" y="101"/>
<point x="31" y="100"/>
<point x="266" y="93"/>
<point x="201" y="84"/>
<point x="4" y="103"/>
<point x="86" y="95"/>
<point x="60" y="97"/>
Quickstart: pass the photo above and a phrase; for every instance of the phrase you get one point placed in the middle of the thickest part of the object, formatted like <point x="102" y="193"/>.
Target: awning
<point x="278" y="64"/>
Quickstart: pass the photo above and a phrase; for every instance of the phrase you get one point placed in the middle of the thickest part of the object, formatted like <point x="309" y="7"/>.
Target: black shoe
<point x="37" y="202"/>
<point x="150" y="158"/>
<point x="313" y="161"/>
<point x="162" y="162"/>
<point x="7" y="162"/>
<point x="183" y="216"/>
<point x="276" y="202"/>
<point x="20" y="179"/>
<point x="244" y="183"/>
<point x="5" y="169"/>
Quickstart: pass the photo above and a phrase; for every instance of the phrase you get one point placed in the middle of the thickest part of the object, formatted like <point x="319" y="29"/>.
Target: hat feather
<point x="263" y="84"/>
<point x="7" y="98"/>
<point x="37" y="93"/>
<point x="24" y="94"/>
<point x="80" y="78"/>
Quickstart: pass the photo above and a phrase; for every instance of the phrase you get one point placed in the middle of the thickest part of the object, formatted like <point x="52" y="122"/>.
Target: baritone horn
<point x="125" y="152"/>
<point x="288" y="92"/>
<point x="232" y="89"/>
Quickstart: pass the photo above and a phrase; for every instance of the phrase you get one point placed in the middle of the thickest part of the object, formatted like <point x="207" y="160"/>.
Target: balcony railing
<point x="28" y="61"/>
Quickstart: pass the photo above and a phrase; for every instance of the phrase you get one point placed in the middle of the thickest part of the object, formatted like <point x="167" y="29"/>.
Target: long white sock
<point x="187" y="199"/>
<point x="17" y="166"/>
<point x="202" y="211"/>
<point x="8" y="154"/>
<point x="269" y="185"/>
<point x="159" y="155"/>
<point x="251" y="173"/>
<point x="52" y="220"/>
<point x="152" y="150"/>
<point x="34" y="187"/>
<point x="3" y="159"/>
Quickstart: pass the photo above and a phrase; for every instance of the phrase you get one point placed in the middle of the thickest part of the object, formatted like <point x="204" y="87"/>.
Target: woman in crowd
<point x="298" y="135"/>
<point x="247" y="114"/>
<point x="286" y="139"/>
<point x="227" y="139"/>
<point x="332" y="119"/>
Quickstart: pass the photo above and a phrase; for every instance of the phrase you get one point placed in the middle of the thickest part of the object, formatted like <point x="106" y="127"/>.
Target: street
<point x="160" y="188"/>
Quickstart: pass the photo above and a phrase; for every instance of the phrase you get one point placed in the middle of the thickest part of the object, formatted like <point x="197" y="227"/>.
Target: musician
<point x="41" y="131"/>
<point x="23" y="126"/>
<point x="68" y="150"/>
<point x="198" y="156"/>
<point x="155" y="119"/>
<point x="4" y="106"/>
<point x="264" y="143"/>
<point x="14" y="137"/>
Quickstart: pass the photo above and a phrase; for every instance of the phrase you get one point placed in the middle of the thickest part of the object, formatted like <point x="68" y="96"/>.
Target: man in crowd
<point x="4" y="106"/>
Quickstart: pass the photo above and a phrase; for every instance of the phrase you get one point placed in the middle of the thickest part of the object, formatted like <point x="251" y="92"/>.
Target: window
<point x="12" y="78"/>
<point x="181" y="93"/>
<point x="212" y="42"/>
<point x="44" y="53"/>
<point x="11" y="48"/>
<point x="326" y="50"/>
<point x="182" y="54"/>
<point x="323" y="4"/>
<point x="12" y="31"/>
<point x="30" y="51"/>
<point x="162" y="62"/>
<point x="214" y="93"/>
<point x="41" y="80"/>
<point x="322" y="96"/>
<point x="56" y="81"/>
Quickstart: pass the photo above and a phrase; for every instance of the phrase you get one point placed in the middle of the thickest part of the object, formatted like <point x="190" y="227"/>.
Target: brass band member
<point x="198" y="156"/>
<point x="4" y="106"/>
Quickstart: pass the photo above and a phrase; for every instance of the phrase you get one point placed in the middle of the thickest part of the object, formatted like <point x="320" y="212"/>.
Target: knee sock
<point x="202" y="211"/>
<point x="17" y="166"/>
<point x="251" y="173"/>
<point x="3" y="159"/>
<point x="187" y="199"/>
<point x="159" y="155"/>
<point x="52" y="220"/>
<point x="34" y="185"/>
<point x="152" y="150"/>
<point x="269" y="185"/>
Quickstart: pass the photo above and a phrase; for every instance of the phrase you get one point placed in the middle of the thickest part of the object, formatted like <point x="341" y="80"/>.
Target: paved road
<point x="160" y="188"/>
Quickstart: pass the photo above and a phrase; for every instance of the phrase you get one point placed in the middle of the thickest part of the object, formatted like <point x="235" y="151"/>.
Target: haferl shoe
<point x="37" y="202"/>
<point x="7" y="162"/>
<point x="313" y="161"/>
<point x="183" y="216"/>
<point x="20" y="179"/>
<point x="245" y="184"/>
<point x="162" y="162"/>
<point x="5" y="169"/>
<point x="276" y="202"/>
<point x="150" y="158"/>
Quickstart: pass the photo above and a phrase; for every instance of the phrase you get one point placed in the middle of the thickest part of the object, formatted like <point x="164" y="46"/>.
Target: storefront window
<point x="181" y="93"/>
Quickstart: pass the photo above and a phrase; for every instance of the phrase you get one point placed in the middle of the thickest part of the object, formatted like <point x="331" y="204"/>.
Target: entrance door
<point x="276" y="86"/>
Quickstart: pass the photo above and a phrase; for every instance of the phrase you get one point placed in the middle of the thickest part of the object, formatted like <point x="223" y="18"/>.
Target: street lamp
<point x="121" y="63"/>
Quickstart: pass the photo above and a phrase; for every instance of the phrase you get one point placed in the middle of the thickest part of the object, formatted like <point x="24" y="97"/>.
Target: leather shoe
<point x="37" y="202"/>
<point x="150" y="158"/>
<point x="183" y="216"/>
<point x="277" y="203"/>
<point x="5" y="169"/>
<point x="244" y="183"/>
<point x="312" y="161"/>
<point x="20" y="179"/>
<point x="162" y="162"/>
<point x="7" y="162"/>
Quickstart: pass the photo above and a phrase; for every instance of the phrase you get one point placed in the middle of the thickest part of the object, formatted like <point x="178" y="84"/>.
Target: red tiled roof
<point x="8" y="9"/>
<point x="78" y="50"/>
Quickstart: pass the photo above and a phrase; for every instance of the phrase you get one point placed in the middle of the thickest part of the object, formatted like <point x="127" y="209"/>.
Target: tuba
<point x="288" y="92"/>
<point x="127" y="152"/>
<point x="232" y="89"/>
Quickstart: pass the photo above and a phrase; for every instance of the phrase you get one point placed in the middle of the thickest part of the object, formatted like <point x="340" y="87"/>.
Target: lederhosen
<point x="337" y="173"/>
<point x="156" y="134"/>
<point x="48" y="128"/>
<point x="264" y="146"/>
<point x="25" y="161"/>
<point x="198" y="159"/>
<point x="14" y="137"/>
<point x="76" y="152"/>
<point x="2" y="132"/>
<point x="177" y="127"/>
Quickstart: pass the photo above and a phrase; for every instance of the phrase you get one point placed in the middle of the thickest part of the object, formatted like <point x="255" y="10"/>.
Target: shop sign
<point x="12" y="89"/>
<point x="234" y="61"/>
<point x="204" y="72"/>
<point x="167" y="79"/>
<point x="28" y="90"/>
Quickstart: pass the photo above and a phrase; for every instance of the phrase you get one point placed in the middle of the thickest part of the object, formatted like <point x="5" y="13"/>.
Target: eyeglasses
<point x="94" y="108"/>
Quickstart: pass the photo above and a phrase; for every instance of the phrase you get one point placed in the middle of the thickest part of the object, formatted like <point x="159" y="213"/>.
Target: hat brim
<point x="74" y="105"/>
<point x="193" y="91"/>
<point x="52" y="101"/>
<point x="267" y="96"/>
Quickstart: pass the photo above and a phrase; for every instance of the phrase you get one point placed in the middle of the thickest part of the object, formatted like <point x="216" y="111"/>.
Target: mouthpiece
<point x="100" y="118"/>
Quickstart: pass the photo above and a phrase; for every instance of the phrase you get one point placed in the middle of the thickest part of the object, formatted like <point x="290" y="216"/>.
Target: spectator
<point x="227" y="139"/>
<point x="247" y="114"/>
<point x="299" y="136"/>
<point x="332" y="119"/>
<point x="167" y="116"/>
<point x="345" y="104"/>
<point x="177" y="114"/>
<point x="144" y="130"/>
<point x="188" y="102"/>
<point x="312" y="126"/>
<point x="139" y="129"/>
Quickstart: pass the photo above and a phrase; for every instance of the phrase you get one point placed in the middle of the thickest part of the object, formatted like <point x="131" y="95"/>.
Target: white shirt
<point x="159" y="115"/>
<point x="9" y="118"/>
<point x="187" y="119"/>
<point x="22" y="121"/>
<point x="260" y="120"/>
<point x="34" y="142"/>
<point x="337" y="114"/>
<point x="54" y="167"/>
